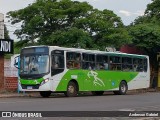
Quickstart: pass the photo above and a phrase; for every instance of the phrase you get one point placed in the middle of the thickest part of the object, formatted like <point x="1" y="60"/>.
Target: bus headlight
<point x="44" y="81"/>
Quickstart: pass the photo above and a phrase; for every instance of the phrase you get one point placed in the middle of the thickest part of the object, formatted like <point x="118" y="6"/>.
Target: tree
<point x="73" y="37"/>
<point x="105" y="28"/>
<point x="153" y="10"/>
<point x="145" y="31"/>
<point x="44" y="17"/>
<point x="54" y="22"/>
<point x="146" y="36"/>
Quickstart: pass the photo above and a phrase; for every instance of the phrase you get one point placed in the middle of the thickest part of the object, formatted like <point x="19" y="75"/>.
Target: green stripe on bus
<point x="31" y="82"/>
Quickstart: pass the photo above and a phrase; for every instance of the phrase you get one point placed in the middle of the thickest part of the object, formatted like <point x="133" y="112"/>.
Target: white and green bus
<point x="50" y="69"/>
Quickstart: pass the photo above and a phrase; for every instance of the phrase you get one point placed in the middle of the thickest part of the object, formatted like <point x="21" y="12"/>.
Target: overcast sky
<point x="128" y="10"/>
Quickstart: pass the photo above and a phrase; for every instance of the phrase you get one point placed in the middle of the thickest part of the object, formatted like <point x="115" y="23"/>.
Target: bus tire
<point x="97" y="93"/>
<point x="45" y="94"/>
<point x="72" y="90"/>
<point x="123" y="87"/>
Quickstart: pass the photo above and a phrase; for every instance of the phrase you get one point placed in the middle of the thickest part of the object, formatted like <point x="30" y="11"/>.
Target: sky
<point x="128" y="10"/>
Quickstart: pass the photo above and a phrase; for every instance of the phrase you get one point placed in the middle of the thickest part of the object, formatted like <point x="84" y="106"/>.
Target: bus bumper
<point x="37" y="87"/>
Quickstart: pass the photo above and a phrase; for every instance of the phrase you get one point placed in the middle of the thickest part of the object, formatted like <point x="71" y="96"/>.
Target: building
<point x="1" y="26"/>
<point x="6" y="46"/>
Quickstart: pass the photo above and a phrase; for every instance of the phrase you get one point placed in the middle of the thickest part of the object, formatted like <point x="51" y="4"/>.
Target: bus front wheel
<point x="45" y="93"/>
<point x="72" y="90"/>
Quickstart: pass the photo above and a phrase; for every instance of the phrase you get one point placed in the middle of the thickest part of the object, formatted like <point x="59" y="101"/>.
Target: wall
<point x="1" y="72"/>
<point x="10" y="76"/>
<point x="11" y="83"/>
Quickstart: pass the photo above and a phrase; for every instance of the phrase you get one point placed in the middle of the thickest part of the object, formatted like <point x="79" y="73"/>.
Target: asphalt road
<point x="149" y="101"/>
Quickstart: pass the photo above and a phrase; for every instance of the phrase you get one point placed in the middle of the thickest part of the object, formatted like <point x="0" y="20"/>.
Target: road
<point x="149" y="101"/>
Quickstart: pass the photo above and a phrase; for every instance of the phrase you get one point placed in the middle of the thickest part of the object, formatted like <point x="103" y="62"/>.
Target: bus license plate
<point x="29" y="87"/>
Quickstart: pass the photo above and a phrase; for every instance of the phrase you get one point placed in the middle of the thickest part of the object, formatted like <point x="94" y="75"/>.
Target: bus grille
<point x="32" y="86"/>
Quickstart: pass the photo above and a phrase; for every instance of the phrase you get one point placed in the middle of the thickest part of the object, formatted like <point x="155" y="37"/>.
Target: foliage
<point x="145" y="30"/>
<point x="153" y="11"/>
<point x="70" y="37"/>
<point x="69" y="23"/>
<point x="146" y="35"/>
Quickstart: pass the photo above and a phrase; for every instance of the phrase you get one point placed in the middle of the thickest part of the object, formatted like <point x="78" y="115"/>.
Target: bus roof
<point x="88" y="51"/>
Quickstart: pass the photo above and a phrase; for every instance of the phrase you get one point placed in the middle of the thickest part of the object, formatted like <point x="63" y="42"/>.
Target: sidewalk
<point x="16" y="94"/>
<point x="36" y="94"/>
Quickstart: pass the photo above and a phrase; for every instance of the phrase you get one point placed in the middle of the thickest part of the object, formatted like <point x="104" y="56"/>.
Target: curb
<point x="35" y="94"/>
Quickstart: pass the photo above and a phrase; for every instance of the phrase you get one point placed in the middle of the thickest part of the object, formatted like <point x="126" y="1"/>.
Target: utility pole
<point x="1" y="26"/>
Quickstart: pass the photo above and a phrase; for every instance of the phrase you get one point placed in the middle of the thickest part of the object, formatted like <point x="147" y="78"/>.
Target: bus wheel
<point x="97" y="92"/>
<point x="45" y="93"/>
<point x="72" y="90"/>
<point x="122" y="89"/>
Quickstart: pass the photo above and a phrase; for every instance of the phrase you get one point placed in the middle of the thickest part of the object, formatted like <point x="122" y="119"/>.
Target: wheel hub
<point x="71" y="89"/>
<point x="123" y="88"/>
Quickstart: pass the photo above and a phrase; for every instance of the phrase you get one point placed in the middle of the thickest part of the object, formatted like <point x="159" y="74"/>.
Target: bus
<point x="48" y="69"/>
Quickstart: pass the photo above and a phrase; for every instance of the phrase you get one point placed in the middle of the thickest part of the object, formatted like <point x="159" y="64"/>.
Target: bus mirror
<point x="16" y="62"/>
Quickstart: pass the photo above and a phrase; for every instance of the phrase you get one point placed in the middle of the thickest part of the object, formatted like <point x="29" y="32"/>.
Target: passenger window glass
<point x="115" y="63"/>
<point x="73" y="60"/>
<point x="127" y="64"/>
<point x="138" y="64"/>
<point x="88" y="61"/>
<point x="145" y="65"/>
<point x="101" y="62"/>
<point x="57" y="62"/>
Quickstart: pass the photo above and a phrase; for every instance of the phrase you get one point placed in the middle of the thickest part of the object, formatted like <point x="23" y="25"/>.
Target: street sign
<point x="6" y="46"/>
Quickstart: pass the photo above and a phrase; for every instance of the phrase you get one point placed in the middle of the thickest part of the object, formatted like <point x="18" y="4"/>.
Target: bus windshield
<point x="34" y="64"/>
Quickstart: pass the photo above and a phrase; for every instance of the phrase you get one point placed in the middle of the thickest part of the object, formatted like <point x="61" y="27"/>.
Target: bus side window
<point x="101" y="62"/>
<point x="57" y="64"/>
<point x="127" y="64"/>
<point x="115" y="63"/>
<point x="88" y="61"/>
<point x="145" y="64"/>
<point x="77" y="63"/>
<point x="73" y="60"/>
<point x="138" y="64"/>
<point x="70" y="60"/>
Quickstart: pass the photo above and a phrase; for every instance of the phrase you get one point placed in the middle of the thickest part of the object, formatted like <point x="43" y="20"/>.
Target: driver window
<point x="33" y="65"/>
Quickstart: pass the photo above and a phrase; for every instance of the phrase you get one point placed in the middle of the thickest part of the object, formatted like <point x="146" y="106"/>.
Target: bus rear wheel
<point x="97" y="92"/>
<point x="123" y="87"/>
<point x="45" y="94"/>
<point x="72" y="90"/>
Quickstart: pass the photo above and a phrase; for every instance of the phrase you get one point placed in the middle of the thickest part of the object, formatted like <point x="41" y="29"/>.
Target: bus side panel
<point x="106" y="80"/>
<point x="56" y="81"/>
<point x="89" y="80"/>
<point x="77" y="75"/>
<point x="141" y="81"/>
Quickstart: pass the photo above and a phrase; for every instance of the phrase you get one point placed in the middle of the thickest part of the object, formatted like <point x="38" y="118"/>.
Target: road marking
<point x="126" y="109"/>
<point x="148" y="107"/>
<point x="157" y="107"/>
